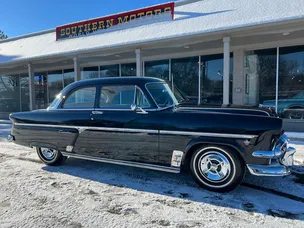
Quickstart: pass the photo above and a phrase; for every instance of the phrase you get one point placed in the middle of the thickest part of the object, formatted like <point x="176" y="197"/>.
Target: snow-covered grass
<point x="90" y="194"/>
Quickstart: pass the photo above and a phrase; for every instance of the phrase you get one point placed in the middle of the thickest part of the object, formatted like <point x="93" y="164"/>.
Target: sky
<point x="19" y="17"/>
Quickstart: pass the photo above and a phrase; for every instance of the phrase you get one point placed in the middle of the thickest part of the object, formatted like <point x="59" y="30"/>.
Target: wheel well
<point x="187" y="159"/>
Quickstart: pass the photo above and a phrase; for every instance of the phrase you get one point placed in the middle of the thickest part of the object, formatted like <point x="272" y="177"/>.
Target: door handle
<point x="97" y="112"/>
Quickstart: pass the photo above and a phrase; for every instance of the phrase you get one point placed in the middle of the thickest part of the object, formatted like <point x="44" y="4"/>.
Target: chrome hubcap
<point x="214" y="166"/>
<point x="48" y="153"/>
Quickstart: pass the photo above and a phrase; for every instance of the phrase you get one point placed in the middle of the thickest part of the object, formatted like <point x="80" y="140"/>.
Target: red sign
<point x="84" y="28"/>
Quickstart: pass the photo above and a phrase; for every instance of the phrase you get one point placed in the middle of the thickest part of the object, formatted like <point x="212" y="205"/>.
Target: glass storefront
<point x="89" y="73"/>
<point x="212" y="79"/>
<point x="55" y="84"/>
<point x="260" y="80"/>
<point x="25" y="92"/>
<point x="128" y="69"/>
<point x="40" y="81"/>
<point x="158" y="69"/>
<point x="109" y="71"/>
<point x="260" y="77"/>
<point x="185" y="77"/>
<point x="68" y="77"/>
<point x="291" y="82"/>
<point x="9" y="93"/>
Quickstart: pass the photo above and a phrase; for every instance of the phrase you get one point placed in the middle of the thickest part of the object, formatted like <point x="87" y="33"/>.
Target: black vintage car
<point x="137" y="121"/>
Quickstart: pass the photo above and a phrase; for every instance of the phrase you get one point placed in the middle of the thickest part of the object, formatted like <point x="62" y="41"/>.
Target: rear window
<point x="81" y="98"/>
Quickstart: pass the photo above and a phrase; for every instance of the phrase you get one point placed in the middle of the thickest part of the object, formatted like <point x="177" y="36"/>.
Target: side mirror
<point x="133" y="107"/>
<point x="137" y="109"/>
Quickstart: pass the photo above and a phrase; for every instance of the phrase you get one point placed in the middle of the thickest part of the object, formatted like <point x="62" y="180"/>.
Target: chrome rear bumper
<point x="281" y="158"/>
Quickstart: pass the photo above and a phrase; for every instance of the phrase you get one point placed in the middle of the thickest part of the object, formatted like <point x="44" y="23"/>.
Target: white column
<point x="77" y="71"/>
<point x="31" y="87"/>
<point x="226" y="70"/>
<point x="138" y="63"/>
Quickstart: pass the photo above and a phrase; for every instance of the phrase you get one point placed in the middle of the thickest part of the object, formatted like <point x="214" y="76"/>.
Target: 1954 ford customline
<point x="138" y="122"/>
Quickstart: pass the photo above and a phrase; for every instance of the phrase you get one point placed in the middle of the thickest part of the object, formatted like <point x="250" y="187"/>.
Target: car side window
<point x="116" y="97"/>
<point x="81" y="98"/>
<point x="121" y="97"/>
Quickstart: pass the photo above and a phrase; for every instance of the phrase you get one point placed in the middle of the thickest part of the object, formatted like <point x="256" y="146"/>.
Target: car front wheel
<point x="50" y="156"/>
<point x="217" y="169"/>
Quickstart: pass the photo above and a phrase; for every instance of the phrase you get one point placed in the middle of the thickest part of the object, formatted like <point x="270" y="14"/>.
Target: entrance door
<point x="115" y="134"/>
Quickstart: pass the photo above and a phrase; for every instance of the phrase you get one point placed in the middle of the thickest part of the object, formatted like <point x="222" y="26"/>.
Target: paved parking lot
<point x="90" y="194"/>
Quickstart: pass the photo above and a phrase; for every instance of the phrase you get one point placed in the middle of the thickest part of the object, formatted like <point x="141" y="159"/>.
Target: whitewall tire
<point x="50" y="156"/>
<point x="217" y="168"/>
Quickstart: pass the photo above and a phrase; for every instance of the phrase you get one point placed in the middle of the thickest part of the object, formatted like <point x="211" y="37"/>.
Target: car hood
<point x="232" y="109"/>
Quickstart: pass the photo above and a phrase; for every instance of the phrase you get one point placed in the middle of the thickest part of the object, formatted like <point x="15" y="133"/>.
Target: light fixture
<point x="286" y="33"/>
<point x="187" y="46"/>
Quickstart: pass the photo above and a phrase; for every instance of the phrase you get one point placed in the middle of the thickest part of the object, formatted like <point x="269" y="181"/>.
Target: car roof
<point x="112" y="80"/>
<point x="118" y="80"/>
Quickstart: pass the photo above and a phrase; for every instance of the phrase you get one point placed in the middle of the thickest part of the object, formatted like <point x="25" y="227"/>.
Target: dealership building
<point x="212" y="51"/>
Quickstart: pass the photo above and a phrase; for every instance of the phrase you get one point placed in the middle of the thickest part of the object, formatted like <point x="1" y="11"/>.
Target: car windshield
<point x="55" y="102"/>
<point x="162" y="94"/>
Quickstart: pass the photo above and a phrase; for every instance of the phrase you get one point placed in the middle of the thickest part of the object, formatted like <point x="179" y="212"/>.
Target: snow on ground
<point x="90" y="194"/>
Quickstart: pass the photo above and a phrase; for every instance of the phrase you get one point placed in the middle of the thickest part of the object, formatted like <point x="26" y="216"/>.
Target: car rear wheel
<point x="50" y="156"/>
<point x="217" y="169"/>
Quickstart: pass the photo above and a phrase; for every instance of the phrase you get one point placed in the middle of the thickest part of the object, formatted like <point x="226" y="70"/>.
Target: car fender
<point x="231" y="143"/>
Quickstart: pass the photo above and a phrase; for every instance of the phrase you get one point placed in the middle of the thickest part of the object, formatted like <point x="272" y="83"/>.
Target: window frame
<point x="65" y="97"/>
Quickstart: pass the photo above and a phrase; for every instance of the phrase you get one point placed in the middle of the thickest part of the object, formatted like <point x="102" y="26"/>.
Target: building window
<point x="9" y="94"/>
<point x="25" y="92"/>
<point x="212" y="79"/>
<point x="185" y="77"/>
<point x="260" y="73"/>
<point x="68" y="77"/>
<point x="109" y="71"/>
<point x="128" y="69"/>
<point x="89" y="73"/>
<point x="158" y="69"/>
<point x="55" y="84"/>
<point x="291" y="83"/>
<point x="40" y="81"/>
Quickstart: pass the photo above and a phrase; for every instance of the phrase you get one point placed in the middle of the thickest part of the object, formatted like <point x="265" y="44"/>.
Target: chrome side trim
<point x="187" y="133"/>
<point x="126" y="163"/>
<point x="242" y="109"/>
<point x="221" y="135"/>
<point x="124" y="130"/>
<point x="83" y="128"/>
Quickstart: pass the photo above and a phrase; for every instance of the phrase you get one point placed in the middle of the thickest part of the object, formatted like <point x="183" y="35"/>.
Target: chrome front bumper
<point x="10" y="138"/>
<point x="281" y="158"/>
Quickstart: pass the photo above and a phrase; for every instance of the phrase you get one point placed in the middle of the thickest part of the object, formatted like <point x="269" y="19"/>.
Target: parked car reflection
<point x="290" y="108"/>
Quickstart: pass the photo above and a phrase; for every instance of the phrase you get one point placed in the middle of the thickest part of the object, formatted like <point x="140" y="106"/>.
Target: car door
<point x="114" y="133"/>
<point x="75" y="112"/>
